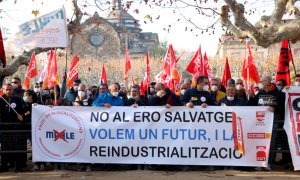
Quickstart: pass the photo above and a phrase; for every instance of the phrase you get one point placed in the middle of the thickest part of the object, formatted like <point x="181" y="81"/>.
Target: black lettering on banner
<point x="136" y="115"/>
<point x="104" y="116"/>
<point x="237" y="155"/>
<point x="155" y="116"/>
<point x="117" y="117"/>
<point x="228" y="116"/>
<point x="201" y="117"/>
<point x="168" y="115"/>
<point x="218" y="118"/>
<point x="93" y="149"/>
<point x="177" y="117"/>
<point x="203" y="153"/>
<point x="175" y="152"/>
<point x="161" y="150"/>
<point x="213" y="152"/>
<point x="295" y="104"/>
<point x="193" y="117"/>
<point x="146" y="115"/>
<point x="209" y="116"/>
<point x="144" y="151"/>
<point x="220" y="153"/>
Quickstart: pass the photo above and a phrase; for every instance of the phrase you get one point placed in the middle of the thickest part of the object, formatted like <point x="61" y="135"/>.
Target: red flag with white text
<point x="73" y="71"/>
<point x="31" y="72"/>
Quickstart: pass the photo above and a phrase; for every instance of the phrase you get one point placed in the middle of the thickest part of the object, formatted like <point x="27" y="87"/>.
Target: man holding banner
<point x="275" y="102"/>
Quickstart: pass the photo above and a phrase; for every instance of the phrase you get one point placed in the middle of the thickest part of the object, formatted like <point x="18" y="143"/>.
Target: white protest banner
<point x="292" y="123"/>
<point x="150" y="135"/>
<point x="49" y="30"/>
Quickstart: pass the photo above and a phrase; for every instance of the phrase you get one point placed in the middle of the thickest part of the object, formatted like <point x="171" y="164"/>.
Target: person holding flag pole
<point x="11" y="110"/>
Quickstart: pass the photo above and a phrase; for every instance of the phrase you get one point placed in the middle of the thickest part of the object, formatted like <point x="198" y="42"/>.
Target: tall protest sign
<point x="49" y="30"/>
<point x="150" y="135"/>
<point x="292" y="123"/>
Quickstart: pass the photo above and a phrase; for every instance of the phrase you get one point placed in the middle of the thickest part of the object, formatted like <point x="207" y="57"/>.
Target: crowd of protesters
<point x="204" y="93"/>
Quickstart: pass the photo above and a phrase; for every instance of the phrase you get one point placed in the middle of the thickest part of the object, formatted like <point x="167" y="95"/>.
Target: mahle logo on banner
<point x="60" y="128"/>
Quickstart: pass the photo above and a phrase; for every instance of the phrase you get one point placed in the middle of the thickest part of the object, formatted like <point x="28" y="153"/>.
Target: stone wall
<point x="97" y="39"/>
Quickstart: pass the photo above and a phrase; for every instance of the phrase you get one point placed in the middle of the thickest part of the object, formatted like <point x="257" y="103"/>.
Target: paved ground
<point x="145" y="174"/>
<point x="124" y="174"/>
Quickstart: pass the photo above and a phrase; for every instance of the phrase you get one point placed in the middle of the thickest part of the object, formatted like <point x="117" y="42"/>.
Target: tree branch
<point x="20" y="60"/>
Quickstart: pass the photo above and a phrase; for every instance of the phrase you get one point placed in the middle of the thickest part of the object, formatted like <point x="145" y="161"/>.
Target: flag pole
<point x="9" y="105"/>
<point x="292" y="57"/>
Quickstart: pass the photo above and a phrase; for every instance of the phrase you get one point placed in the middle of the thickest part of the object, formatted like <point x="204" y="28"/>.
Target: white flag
<point x="49" y="30"/>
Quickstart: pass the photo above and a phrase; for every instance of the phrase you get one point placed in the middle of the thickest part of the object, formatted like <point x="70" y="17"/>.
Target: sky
<point x="169" y="24"/>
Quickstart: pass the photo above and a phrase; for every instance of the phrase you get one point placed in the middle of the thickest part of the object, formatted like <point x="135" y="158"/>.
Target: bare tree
<point x="24" y="58"/>
<point x="270" y="29"/>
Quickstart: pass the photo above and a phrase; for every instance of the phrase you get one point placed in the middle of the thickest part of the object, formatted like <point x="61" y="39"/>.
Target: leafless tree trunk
<point x="270" y="29"/>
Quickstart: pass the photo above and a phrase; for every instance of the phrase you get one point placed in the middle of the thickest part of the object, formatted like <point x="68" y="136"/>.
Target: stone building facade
<point x="104" y="38"/>
<point x="233" y="48"/>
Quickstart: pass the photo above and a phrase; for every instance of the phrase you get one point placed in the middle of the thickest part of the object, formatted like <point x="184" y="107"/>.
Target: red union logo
<point x="57" y="128"/>
<point x="261" y="154"/>
<point x="260" y="117"/>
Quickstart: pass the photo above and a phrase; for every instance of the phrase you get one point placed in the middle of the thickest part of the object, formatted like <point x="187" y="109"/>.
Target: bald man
<point x="110" y="98"/>
<point x="271" y="97"/>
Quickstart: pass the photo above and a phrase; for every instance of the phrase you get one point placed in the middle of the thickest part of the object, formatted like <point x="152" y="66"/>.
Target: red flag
<point x="249" y="70"/>
<point x="127" y="63"/>
<point x="31" y="72"/>
<point x="2" y="52"/>
<point x="226" y="73"/>
<point x="51" y="78"/>
<point x="170" y="61"/>
<point x="283" y="69"/>
<point x="196" y="65"/>
<point x="73" y="71"/>
<point x="146" y="82"/>
<point x="206" y="68"/>
<point x="103" y="79"/>
<point x="173" y="77"/>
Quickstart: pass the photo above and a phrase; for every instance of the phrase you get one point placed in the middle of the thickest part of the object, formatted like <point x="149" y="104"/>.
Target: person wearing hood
<point x="110" y="98"/>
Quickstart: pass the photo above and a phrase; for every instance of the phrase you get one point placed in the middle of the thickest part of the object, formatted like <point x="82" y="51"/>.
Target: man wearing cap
<point x="71" y="94"/>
